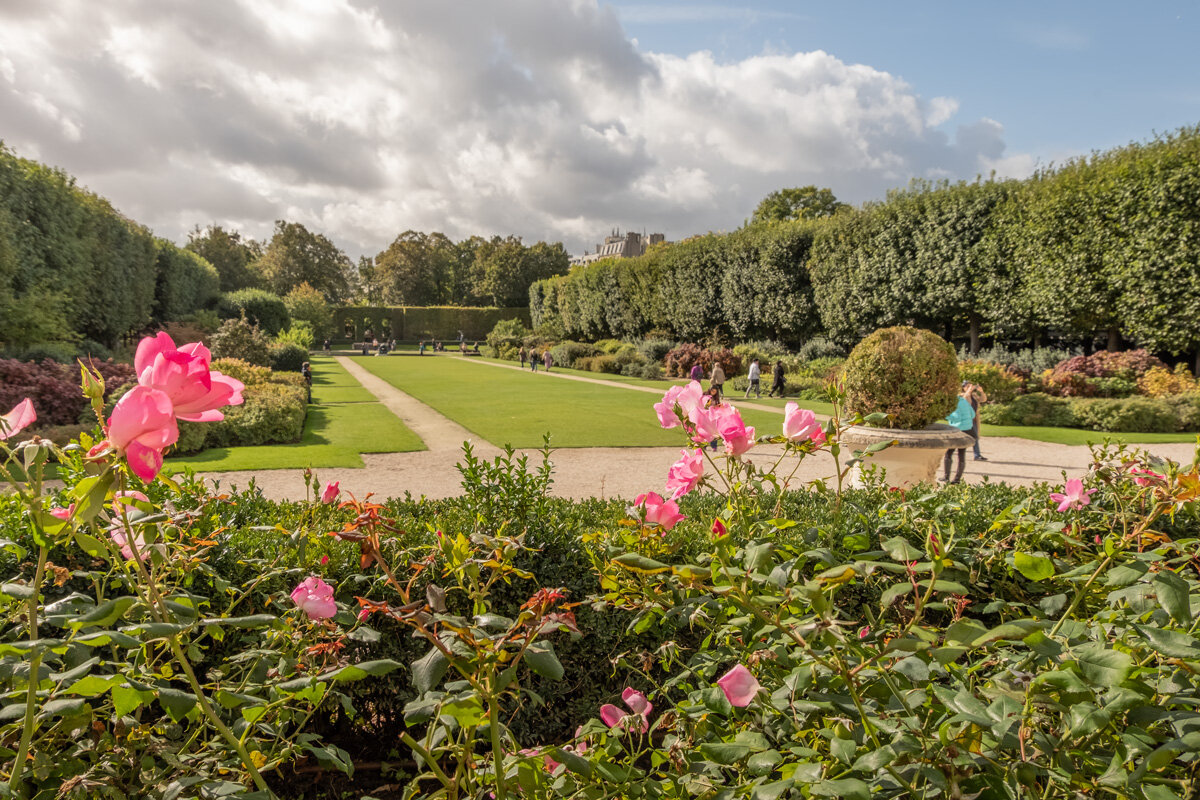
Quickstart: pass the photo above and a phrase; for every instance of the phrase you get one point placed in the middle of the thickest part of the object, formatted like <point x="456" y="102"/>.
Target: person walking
<point x="977" y="397"/>
<point x="962" y="418"/>
<point x="547" y="359"/>
<point x="697" y="373"/>
<point x="755" y="378"/>
<point x="327" y="347"/>
<point x="521" y="354"/>
<point x="777" y="382"/>
<point x="716" y="380"/>
<point x="533" y="359"/>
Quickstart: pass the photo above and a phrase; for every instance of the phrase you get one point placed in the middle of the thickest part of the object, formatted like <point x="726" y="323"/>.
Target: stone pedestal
<point x="915" y="456"/>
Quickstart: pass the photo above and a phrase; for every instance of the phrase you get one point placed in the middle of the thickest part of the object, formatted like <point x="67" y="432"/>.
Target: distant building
<point x="629" y="245"/>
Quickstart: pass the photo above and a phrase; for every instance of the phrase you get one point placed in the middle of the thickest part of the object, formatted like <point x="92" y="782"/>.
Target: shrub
<point x="998" y="381"/>
<point x="54" y="388"/>
<point x="1160" y="381"/>
<point x="824" y="369"/>
<point x="629" y="354"/>
<point x="601" y="363"/>
<point x="61" y="352"/>
<point x="256" y="306"/>
<point x="239" y="339"/>
<point x="1037" y="408"/>
<point x="679" y="361"/>
<point x="288" y="357"/>
<point x="609" y="346"/>
<point x="820" y="347"/>
<point x="507" y="337"/>
<point x="1113" y="387"/>
<point x="273" y="411"/>
<point x="765" y="351"/>
<point x="567" y="354"/>
<point x="656" y="350"/>
<point x="1025" y="362"/>
<point x="300" y="333"/>
<point x="908" y="373"/>
<point x="1069" y="378"/>
<point x="1130" y="415"/>
<point x="1187" y="410"/>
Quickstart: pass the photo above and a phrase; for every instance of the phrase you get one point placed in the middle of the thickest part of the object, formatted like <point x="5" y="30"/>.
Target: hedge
<point x="186" y="282"/>
<point x="413" y="323"/>
<point x="273" y="411"/>
<point x="1170" y="414"/>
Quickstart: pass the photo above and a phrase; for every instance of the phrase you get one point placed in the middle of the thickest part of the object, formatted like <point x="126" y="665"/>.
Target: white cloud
<point x="540" y="118"/>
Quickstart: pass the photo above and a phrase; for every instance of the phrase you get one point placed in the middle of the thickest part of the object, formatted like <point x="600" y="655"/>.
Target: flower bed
<point x="747" y="642"/>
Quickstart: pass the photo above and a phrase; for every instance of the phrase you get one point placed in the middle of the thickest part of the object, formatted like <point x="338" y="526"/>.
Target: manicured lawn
<point x="344" y="421"/>
<point x="507" y="406"/>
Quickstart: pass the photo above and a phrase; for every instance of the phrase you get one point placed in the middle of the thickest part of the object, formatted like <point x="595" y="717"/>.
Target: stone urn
<point x="913" y="458"/>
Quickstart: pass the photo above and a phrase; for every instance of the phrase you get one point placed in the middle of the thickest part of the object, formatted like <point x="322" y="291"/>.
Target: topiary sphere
<point x="905" y="372"/>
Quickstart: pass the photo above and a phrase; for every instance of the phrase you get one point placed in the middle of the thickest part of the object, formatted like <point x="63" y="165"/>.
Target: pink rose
<point x="63" y="513"/>
<point x="315" y="598"/>
<point x="332" y="490"/>
<point x="685" y="397"/>
<point x="705" y="424"/>
<point x="739" y="686"/>
<point x="183" y="374"/>
<point x="121" y="540"/>
<point x="638" y="704"/>
<point x="22" y="416"/>
<point x="1150" y="476"/>
<point x="1074" y="497"/>
<point x="141" y="427"/>
<point x="685" y="473"/>
<point x="738" y="438"/>
<point x="656" y="511"/>
<point x="800" y="424"/>
<point x="718" y="528"/>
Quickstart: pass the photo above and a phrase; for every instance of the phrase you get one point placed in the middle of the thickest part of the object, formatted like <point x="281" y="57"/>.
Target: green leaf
<point x="176" y="703"/>
<point x="59" y="708"/>
<point x="1170" y="643"/>
<point x="104" y="614"/>
<point x="20" y="591"/>
<point x="639" y="563"/>
<point x="541" y="659"/>
<point x="900" y="550"/>
<point x="427" y="671"/>
<point x="1103" y="667"/>
<point x="467" y="710"/>
<point x="771" y="791"/>
<point x="724" y="753"/>
<point x="575" y="763"/>
<point x="346" y="674"/>
<point x="90" y="493"/>
<point x="1035" y="568"/>
<point x="848" y="787"/>
<point x="91" y="545"/>
<point x="1156" y="792"/>
<point x="893" y="592"/>
<point x="843" y="749"/>
<point x="92" y="685"/>
<point x="1172" y="592"/>
<point x="126" y="699"/>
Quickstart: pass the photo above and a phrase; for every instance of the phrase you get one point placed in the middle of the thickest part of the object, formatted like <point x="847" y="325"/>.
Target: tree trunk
<point x="1114" y="340"/>
<point x="974" y="334"/>
<point x="1196" y="366"/>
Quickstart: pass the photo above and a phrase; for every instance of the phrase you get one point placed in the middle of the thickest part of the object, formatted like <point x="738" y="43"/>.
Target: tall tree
<point x="804" y="202"/>
<point x="417" y="269"/>
<point x="296" y="255"/>
<point x="503" y="269"/>
<point x="232" y="256"/>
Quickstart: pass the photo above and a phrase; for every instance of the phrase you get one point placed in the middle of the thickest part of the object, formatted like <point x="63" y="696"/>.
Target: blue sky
<point x="1062" y="77"/>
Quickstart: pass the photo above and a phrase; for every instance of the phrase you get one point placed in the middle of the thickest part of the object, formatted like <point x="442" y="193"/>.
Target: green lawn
<point x="344" y="421"/>
<point x="506" y="406"/>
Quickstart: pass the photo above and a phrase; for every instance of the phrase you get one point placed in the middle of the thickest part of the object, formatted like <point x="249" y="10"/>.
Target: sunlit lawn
<point x="344" y="421"/>
<point x="506" y="406"/>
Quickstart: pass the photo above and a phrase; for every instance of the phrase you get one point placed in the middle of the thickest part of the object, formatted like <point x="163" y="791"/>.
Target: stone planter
<point x="915" y="456"/>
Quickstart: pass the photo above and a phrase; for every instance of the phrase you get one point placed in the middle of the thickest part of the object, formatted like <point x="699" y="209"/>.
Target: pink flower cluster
<point x="619" y="718"/>
<point x="173" y="383"/>
<point x="315" y="597"/>
<point x="686" y="406"/>
<point x="653" y="510"/>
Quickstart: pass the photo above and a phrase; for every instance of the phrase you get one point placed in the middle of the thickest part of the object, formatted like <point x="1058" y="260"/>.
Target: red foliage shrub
<point x="54" y="388"/>
<point x="679" y="361"/>
<point x="1070" y="378"/>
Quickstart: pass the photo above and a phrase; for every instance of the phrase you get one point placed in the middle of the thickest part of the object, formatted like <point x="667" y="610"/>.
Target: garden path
<point x="614" y="471"/>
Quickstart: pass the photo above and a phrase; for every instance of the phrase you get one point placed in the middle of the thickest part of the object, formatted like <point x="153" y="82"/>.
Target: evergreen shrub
<point x="908" y="373"/>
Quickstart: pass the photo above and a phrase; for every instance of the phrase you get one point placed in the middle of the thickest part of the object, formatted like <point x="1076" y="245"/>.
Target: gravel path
<point x="614" y="471"/>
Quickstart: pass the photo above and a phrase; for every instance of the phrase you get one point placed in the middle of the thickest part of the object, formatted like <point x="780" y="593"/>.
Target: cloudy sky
<point x="560" y="119"/>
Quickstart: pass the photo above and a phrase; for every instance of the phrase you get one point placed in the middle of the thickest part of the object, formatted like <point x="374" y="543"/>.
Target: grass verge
<point x="344" y="421"/>
<point x="508" y="406"/>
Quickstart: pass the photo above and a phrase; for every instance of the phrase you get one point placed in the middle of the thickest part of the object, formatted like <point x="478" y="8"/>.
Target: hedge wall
<point x="413" y="323"/>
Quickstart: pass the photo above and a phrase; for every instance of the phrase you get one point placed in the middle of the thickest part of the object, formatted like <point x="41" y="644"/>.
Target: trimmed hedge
<point x="256" y="306"/>
<point x="412" y="323"/>
<point x="273" y="412"/>
<point x="1175" y="413"/>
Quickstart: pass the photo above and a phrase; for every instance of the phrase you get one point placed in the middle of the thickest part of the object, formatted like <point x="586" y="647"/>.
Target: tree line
<point x="1104" y="248"/>
<point x="75" y="270"/>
